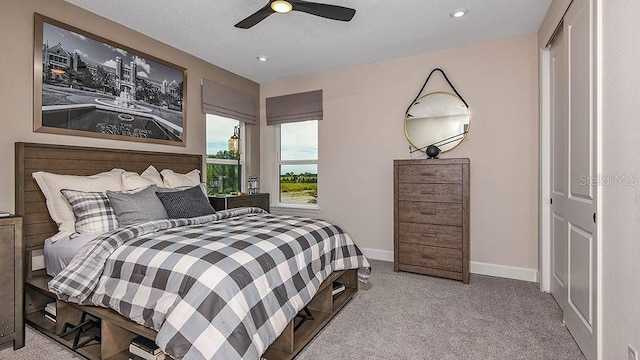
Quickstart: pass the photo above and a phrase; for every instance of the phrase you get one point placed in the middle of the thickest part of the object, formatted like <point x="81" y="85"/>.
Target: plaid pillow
<point x="93" y="212"/>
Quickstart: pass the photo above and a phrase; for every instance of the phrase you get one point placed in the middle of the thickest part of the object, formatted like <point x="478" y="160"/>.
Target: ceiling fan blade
<point x="255" y="17"/>
<point x="334" y="12"/>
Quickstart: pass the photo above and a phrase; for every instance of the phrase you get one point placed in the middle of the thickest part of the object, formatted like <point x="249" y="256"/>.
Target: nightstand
<point x="233" y="201"/>
<point x="11" y="281"/>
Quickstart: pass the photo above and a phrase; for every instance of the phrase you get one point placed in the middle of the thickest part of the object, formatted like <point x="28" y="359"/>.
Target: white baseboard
<point x="376" y="254"/>
<point x="503" y="271"/>
<point x="509" y="272"/>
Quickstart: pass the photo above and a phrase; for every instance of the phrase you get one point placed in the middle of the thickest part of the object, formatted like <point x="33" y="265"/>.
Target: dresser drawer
<point x="234" y="201"/>
<point x="430" y="213"/>
<point x="430" y="192"/>
<point x="247" y="201"/>
<point x="431" y="257"/>
<point x="430" y="234"/>
<point x="430" y="173"/>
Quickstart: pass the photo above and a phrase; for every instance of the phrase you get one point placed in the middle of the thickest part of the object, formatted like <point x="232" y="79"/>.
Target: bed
<point x="312" y="284"/>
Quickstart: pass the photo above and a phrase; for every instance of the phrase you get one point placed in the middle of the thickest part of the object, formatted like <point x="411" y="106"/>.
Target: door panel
<point x="580" y="266"/>
<point x="559" y="258"/>
<point x="580" y="118"/>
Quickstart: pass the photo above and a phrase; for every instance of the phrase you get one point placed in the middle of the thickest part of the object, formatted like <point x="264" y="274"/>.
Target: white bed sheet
<point x="58" y="253"/>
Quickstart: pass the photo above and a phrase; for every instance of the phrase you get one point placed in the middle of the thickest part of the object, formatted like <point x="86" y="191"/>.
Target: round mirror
<point x="440" y="119"/>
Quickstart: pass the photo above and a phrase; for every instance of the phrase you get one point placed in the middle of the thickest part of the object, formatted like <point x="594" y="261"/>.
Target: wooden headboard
<point x="76" y="160"/>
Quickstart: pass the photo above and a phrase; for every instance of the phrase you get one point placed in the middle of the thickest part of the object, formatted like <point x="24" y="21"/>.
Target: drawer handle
<point x="428" y="235"/>
<point x="427" y="256"/>
<point x="428" y="212"/>
<point x="428" y="193"/>
<point x="428" y="174"/>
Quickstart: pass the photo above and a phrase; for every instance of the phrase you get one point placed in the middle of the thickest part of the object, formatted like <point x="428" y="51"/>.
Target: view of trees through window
<point x="299" y="162"/>
<point x="222" y="166"/>
<point x="298" y="184"/>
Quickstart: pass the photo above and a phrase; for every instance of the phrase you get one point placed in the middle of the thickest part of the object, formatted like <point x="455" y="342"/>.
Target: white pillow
<point x="133" y="181"/>
<point x="58" y="206"/>
<point x="173" y="180"/>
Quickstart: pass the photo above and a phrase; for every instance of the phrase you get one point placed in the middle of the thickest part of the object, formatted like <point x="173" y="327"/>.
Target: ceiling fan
<point x="334" y="12"/>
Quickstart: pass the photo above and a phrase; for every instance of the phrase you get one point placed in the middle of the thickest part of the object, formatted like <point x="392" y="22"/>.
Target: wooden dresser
<point x="11" y="281"/>
<point x="431" y="217"/>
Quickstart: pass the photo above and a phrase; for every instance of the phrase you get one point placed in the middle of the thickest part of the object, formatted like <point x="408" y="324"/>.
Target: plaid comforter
<point x="220" y="286"/>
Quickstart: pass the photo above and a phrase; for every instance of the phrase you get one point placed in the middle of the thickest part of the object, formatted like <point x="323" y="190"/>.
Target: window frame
<point x="228" y="161"/>
<point x="311" y="208"/>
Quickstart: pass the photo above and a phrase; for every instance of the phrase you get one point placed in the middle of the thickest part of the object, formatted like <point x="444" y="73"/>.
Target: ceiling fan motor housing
<point x="327" y="11"/>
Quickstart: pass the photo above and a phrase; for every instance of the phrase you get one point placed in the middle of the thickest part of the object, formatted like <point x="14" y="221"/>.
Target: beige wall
<point x="362" y="133"/>
<point x="620" y="157"/>
<point x="16" y="92"/>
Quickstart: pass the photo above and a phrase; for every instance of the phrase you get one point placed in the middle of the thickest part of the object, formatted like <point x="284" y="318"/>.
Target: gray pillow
<point x="133" y="208"/>
<point x="185" y="203"/>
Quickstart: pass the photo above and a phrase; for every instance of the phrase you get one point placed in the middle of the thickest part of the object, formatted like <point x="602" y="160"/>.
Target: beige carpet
<point x="410" y="316"/>
<point x="37" y="347"/>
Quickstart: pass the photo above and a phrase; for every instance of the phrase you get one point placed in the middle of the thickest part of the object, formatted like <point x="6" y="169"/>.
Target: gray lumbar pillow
<point x="133" y="208"/>
<point x="185" y="203"/>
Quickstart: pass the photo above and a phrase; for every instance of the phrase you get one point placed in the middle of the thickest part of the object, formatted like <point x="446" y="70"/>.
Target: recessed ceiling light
<point x="458" y="13"/>
<point x="281" y="6"/>
<point x="262" y="58"/>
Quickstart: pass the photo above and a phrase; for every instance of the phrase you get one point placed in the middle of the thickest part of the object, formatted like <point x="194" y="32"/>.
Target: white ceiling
<point x="300" y="44"/>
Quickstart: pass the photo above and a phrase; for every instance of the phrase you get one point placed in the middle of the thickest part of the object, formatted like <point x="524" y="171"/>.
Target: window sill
<point x="299" y="209"/>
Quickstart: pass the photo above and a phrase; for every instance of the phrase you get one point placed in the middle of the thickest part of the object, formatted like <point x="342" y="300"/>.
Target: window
<point x="222" y="166"/>
<point x="298" y="163"/>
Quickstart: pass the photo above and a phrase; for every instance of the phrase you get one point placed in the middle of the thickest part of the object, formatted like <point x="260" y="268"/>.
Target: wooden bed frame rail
<point x="116" y="331"/>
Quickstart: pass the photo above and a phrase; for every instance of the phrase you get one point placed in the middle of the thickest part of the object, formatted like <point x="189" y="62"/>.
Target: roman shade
<point x="224" y="101"/>
<point x="294" y="107"/>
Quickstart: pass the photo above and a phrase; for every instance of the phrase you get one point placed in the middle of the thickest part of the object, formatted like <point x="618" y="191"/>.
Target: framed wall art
<point x="86" y="85"/>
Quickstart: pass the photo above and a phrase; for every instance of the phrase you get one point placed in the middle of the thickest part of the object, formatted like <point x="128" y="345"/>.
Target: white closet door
<point x="559" y="125"/>
<point x="580" y="203"/>
<point x="574" y="174"/>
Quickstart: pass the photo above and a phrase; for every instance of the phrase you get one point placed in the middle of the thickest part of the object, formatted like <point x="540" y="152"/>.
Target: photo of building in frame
<point x="94" y="87"/>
